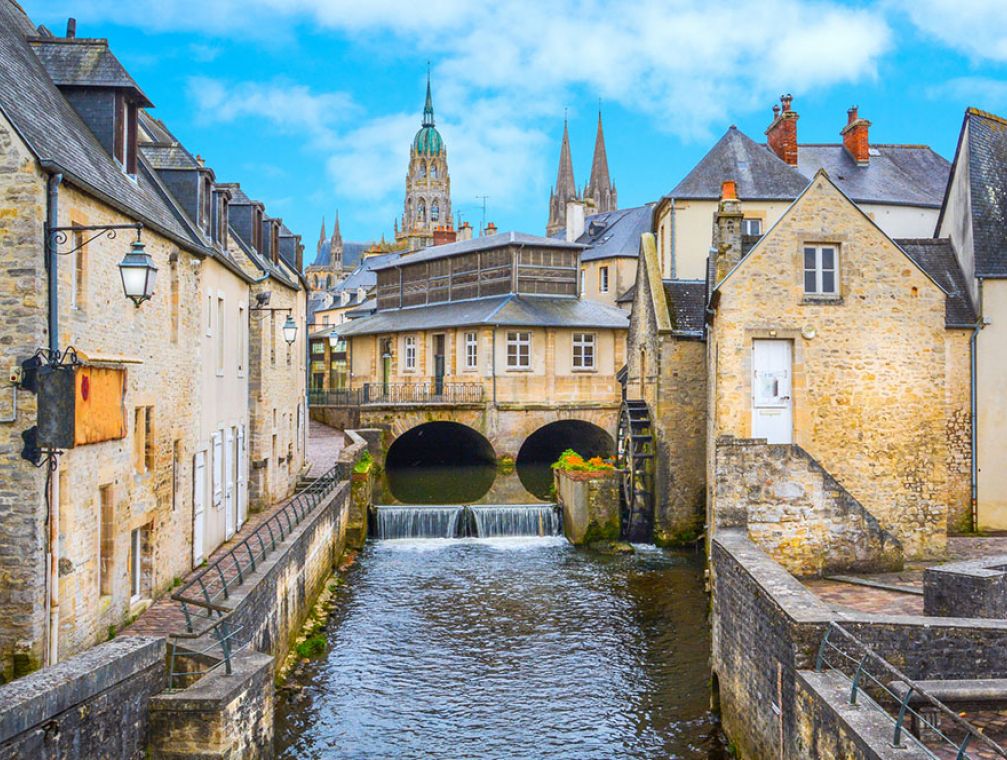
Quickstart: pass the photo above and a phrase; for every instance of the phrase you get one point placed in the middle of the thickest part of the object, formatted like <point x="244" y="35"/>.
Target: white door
<point x="772" y="412"/>
<point x="229" y="505"/>
<point x="242" y="458"/>
<point x="198" y="506"/>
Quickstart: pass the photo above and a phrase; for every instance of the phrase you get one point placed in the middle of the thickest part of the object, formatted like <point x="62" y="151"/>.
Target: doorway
<point x="439" y="364"/>
<point x="772" y="406"/>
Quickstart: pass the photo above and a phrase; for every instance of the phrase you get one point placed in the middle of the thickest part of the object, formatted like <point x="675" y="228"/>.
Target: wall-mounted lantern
<point x="138" y="273"/>
<point x="289" y="330"/>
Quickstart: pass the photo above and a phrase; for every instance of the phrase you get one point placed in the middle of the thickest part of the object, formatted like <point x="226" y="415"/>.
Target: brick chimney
<point x="443" y="235"/>
<point x="576" y="213"/>
<point x="727" y="230"/>
<point x="491" y="229"/>
<point x="855" y="137"/>
<point x="464" y="232"/>
<point x="71" y="28"/>
<point x="782" y="133"/>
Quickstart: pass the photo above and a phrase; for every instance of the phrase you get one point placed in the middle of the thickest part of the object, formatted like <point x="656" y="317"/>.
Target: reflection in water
<point x="471" y="484"/>
<point x="508" y="648"/>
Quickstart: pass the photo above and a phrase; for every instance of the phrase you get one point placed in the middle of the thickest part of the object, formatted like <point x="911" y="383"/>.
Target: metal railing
<point x="423" y="392"/>
<point x="202" y="596"/>
<point x="833" y="655"/>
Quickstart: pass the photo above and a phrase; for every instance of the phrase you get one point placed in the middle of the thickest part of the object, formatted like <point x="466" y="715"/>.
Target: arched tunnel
<point x="440" y="463"/>
<point x="544" y="446"/>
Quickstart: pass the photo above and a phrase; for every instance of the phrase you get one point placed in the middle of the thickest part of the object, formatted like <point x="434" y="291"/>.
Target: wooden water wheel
<point x="636" y="460"/>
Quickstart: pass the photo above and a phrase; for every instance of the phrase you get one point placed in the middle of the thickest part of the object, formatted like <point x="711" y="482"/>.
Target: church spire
<point x="566" y="187"/>
<point x="428" y="109"/>
<point x="321" y="238"/>
<point x="337" y="235"/>
<point x="600" y="188"/>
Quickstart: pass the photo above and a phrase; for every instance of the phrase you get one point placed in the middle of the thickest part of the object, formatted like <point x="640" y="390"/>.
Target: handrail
<point x="419" y="392"/>
<point x="200" y="596"/>
<point x="914" y="690"/>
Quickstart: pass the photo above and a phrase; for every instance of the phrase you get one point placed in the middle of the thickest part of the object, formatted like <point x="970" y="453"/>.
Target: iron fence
<point x="423" y="392"/>
<point x="202" y="596"/>
<point x="897" y="697"/>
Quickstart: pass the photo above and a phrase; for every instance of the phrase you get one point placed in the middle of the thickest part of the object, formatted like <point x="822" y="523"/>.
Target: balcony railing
<point x="375" y="394"/>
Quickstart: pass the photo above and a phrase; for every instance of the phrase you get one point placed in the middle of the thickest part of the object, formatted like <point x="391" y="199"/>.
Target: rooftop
<point x="484" y="243"/>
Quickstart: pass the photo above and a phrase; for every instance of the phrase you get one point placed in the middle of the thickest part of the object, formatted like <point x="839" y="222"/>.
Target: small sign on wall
<point x="78" y="405"/>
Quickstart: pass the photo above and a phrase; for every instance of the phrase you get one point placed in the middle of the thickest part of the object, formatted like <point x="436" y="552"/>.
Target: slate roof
<point x="936" y="257"/>
<point x="352" y="255"/>
<point x="987" y="164"/>
<point x="910" y="175"/>
<point x="760" y="174"/>
<point x="61" y="141"/>
<point x="510" y="310"/>
<point x="84" y="63"/>
<point x="484" y="243"/>
<point x="615" y="234"/>
<point x="365" y="273"/>
<point x="686" y="306"/>
<point x="901" y="175"/>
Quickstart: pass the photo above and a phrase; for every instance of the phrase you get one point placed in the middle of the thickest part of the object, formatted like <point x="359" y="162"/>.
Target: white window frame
<point x="584" y="351"/>
<point x="209" y="314"/>
<point x="135" y="559"/>
<point x="603" y="279"/>
<point x="471" y="350"/>
<point x="409" y="353"/>
<point x="819" y="271"/>
<point x="520" y="358"/>
<point x="745" y="223"/>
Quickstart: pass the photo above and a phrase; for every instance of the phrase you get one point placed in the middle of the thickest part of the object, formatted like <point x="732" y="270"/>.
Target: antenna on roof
<point x="482" y="224"/>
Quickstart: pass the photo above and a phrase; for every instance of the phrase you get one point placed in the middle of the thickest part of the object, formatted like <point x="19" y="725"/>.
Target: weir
<point x="466" y="521"/>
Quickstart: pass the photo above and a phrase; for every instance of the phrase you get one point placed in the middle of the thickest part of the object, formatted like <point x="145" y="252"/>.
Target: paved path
<point x="165" y="616"/>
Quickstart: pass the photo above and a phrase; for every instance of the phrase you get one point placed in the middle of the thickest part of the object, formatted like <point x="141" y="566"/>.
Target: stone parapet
<point x="590" y="504"/>
<point x="975" y="588"/>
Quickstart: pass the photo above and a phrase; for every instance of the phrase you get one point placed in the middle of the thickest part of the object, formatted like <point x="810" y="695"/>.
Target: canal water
<point x="508" y="648"/>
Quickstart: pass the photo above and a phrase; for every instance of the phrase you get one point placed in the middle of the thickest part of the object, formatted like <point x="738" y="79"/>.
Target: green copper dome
<point x="428" y="140"/>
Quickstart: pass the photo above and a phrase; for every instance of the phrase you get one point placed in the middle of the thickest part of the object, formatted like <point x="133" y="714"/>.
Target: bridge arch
<point x="543" y="447"/>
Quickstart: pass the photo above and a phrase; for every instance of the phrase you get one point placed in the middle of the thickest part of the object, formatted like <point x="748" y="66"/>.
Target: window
<point x="751" y="227"/>
<point x="124" y="147"/>
<point x="519" y="350"/>
<point x="220" y="336"/>
<point x="148" y="439"/>
<point x="583" y="350"/>
<point x="583" y="280"/>
<point x="603" y="280"/>
<point x="821" y="270"/>
<point x="433" y="171"/>
<point x="422" y="214"/>
<point x="317" y="347"/>
<point x="107" y="540"/>
<point x="78" y="273"/>
<point x="205" y="205"/>
<point x="435" y="212"/>
<point x="410" y="352"/>
<point x="135" y="553"/>
<point x="471" y="351"/>
<point x="242" y="339"/>
<point x="209" y="314"/>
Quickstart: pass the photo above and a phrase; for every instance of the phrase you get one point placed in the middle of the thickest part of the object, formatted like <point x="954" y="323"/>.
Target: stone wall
<point x="958" y="429"/>
<point x="23" y="329"/>
<point x="974" y="588"/>
<point x="796" y="512"/>
<point x="89" y="706"/>
<point x="338" y="417"/>
<point x="767" y="627"/>
<point x="276" y="388"/>
<point x="869" y="391"/>
<point x="590" y="505"/>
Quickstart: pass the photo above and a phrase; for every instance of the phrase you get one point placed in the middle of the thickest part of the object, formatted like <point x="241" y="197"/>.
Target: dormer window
<point x="125" y="144"/>
<point x="222" y="235"/>
<point x="257" y="230"/>
<point x="274" y="243"/>
<point x="206" y="204"/>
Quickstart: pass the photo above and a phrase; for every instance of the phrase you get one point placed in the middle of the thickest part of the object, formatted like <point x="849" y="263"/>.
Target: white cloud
<point x="977" y="28"/>
<point x="982" y="92"/>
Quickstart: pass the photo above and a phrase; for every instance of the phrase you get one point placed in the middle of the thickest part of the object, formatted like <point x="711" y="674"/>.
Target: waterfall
<point x="478" y="521"/>
<point x="499" y="520"/>
<point x="417" y="522"/>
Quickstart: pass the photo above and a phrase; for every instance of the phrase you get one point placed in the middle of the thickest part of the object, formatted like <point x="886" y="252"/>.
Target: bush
<point x="571" y="461"/>
<point x="363" y="465"/>
<point x="313" y="646"/>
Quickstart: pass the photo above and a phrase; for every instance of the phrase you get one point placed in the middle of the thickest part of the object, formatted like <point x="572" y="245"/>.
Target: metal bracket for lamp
<point x="59" y="235"/>
<point x="289" y="327"/>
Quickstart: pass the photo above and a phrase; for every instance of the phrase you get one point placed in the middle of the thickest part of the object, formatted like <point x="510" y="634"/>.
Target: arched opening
<point x="544" y="446"/>
<point x="435" y="212"/>
<point x="440" y="463"/>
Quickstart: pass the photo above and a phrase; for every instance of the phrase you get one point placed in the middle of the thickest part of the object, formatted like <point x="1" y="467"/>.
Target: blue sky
<point x="311" y="104"/>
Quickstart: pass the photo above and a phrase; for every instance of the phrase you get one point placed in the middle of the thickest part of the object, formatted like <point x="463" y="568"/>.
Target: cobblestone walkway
<point x="165" y="616"/>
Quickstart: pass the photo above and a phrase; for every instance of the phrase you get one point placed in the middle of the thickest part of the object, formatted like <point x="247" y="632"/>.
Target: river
<point x="508" y="648"/>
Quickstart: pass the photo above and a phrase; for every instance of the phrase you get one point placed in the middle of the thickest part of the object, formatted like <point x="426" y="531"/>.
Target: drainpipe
<point x="52" y="479"/>
<point x="974" y="409"/>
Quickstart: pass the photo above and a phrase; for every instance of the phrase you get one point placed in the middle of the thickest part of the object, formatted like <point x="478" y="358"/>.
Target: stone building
<point x="599" y="196"/>
<point x="899" y="186"/>
<point x="973" y="225"/>
<point x="428" y="185"/>
<point x="83" y="551"/>
<point x="824" y="335"/>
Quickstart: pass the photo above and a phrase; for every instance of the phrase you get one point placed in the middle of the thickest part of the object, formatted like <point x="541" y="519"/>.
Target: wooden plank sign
<point x="99" y="411"/>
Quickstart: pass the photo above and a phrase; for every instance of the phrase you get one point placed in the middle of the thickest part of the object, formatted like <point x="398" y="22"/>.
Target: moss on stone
<point x="672" y="538"/>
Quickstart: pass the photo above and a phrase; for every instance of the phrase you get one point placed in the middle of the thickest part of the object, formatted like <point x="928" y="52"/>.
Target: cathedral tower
<point x="600" y="188"/>
<point x="428" y="184"/>
<point x="565" y="189"/>
<point x="327" y="269"/>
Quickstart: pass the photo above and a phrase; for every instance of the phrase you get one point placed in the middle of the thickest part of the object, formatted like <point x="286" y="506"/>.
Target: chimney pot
<point x="786" y="100"/>
<point x="856" y="138"/>
<point x="781" y="135"/>
<point x="776" y="110"/>
<point x="728" y="190"/>
<point x="576" y="217"/>
<point x="71" y="28"/>
<point x="851" y="115"/>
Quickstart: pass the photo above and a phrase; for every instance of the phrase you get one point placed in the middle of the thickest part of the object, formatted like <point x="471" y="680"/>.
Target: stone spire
<point x="336" y="247"/>
<point x="337" y="236"/>
<point x="428" y="109"/>
<point x="566" y="188"/>
<point x="600" y="188"/>
<point x="321" y="238"/>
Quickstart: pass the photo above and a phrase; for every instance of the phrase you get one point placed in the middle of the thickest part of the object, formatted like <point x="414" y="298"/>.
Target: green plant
<point x="111" y="633"/>
<point x="313" y="646"/>
<point x="363" y="465"/>
<point x="176" y="582"/>
<point x="571" y="461"/>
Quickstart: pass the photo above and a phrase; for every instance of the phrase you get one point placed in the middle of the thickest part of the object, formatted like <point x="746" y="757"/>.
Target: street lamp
<point x="138" y="274"/>
<point x="289" y="330"/>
